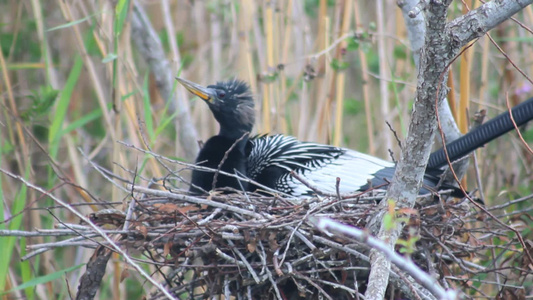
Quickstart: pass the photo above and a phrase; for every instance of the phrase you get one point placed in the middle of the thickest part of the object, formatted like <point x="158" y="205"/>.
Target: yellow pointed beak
<point x="196" y="89"/>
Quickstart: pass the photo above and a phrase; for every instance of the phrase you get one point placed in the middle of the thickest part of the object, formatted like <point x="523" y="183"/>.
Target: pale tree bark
<point x="416" y="33"/>
<point x="443" y="42"/>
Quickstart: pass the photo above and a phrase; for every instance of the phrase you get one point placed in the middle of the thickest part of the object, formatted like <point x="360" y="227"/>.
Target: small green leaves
<point x="42" y="101"/>
<point x="338" y="65"/>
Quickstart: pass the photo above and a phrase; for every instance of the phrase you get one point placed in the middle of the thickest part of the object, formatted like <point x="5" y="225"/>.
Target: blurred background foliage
<point x="329" y="71"/>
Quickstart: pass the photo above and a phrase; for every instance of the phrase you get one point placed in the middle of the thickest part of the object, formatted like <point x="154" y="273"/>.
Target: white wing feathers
<point x="353" y="168"/>
<point x="319" y="164"/>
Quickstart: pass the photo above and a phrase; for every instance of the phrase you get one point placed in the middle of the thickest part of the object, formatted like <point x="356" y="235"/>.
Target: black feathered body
<point x="211" y="154"/>
<point x="269" y="161"/>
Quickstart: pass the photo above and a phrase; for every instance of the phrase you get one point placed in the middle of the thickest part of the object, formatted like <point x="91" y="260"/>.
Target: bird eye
<point x="221" y="94"/>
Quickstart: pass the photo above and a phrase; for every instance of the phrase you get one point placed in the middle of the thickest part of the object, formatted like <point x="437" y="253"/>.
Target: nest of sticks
<point x="253" y="246"/>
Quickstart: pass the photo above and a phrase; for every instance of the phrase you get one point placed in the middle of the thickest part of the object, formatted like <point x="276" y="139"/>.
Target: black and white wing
<point x="272" y="158"/>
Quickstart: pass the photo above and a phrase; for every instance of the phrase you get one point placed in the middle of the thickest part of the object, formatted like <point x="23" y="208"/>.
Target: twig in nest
<point x="275" y="261"/>
<point x="311" y="282"/>
<point x="225" y="157"/>
<point x="197" y="200"/>
<point x="160" y="158"/>
<point x="263" y="256"/>
<point x="337" y="187"/>
<point x="323" y="193"/>
<point x="243" y="261"/>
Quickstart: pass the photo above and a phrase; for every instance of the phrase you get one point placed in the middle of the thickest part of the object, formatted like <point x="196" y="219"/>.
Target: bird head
<point x="231" y="103"/>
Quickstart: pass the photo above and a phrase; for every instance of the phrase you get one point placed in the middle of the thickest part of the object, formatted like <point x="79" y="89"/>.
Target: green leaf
<point x="271" y="77"/>
<point x="148" y="110"/>
<point x="6" y="148"/>
<point x="352" y="44"/>
<point x="110" y="57"/>
<point x="79" y="123"/>
<point x="399" y="52"/>
<point x="388" y="221"/>
<point x="528" y="135"/>
<point x="43" y="99"/>
<point x="339" y="65"/>
<point x="75" y="22"/>
<point x="62" y="106"/>
<point x="46" y="101"/>
<point x="121" y="13"/>
<point x="43" y="279"/>
<point x="164" y="123"/>
<point x="353" y="106"/>
<point x="25" y="270"/>
<point x="8" y="243"/>
<point x="69" y="24"/>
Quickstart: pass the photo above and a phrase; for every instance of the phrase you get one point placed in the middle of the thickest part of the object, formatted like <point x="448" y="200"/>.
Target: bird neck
<point x="235" y="135"/>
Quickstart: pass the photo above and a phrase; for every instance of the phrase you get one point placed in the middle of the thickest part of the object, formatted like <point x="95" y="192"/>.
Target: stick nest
<point x="253" y="246"/>
<point x="250" y="245"/>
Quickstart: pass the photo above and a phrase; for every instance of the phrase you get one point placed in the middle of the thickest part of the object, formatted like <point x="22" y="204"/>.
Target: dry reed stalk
<point x="281" y="14"/>
<point x="73" y="155"/>
<point x="326" y="88"/>
<point x="464" y="83"/>
<point x="341" y="76"/>
<point x="528" y="16"/>
<point x="14" y="111"/>
<point x="465" y="86"/>
<point x="91" y="69"/>
<point x="268" y="91"/>
<point x="483" y="86"/>
<point x="322" y="35"/>
<point x="322" y="71"/>
<point x="336" y="86"/>
<point x="45" y="48"/>
<point x="245" y="60"/>
<point x="384" y="72"/>
<point x="452" y="101"/>
<point x="365" y="86"/>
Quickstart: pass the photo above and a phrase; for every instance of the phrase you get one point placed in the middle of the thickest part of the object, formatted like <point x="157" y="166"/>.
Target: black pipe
<point x="485" y="133"/>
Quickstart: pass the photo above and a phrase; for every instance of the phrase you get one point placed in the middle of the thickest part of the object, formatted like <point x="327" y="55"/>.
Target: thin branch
<point x="225" y="157"/>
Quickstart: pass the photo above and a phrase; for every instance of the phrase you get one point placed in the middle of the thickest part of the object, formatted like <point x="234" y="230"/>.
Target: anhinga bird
<point x="233" y="107"/>
<point x="269" y="160"/>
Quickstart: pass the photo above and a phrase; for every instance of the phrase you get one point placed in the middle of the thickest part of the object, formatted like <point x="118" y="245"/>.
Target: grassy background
<point x="73" y="85"/>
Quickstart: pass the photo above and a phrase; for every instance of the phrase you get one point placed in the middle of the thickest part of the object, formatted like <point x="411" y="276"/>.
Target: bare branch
<point x="479" y="21"/>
